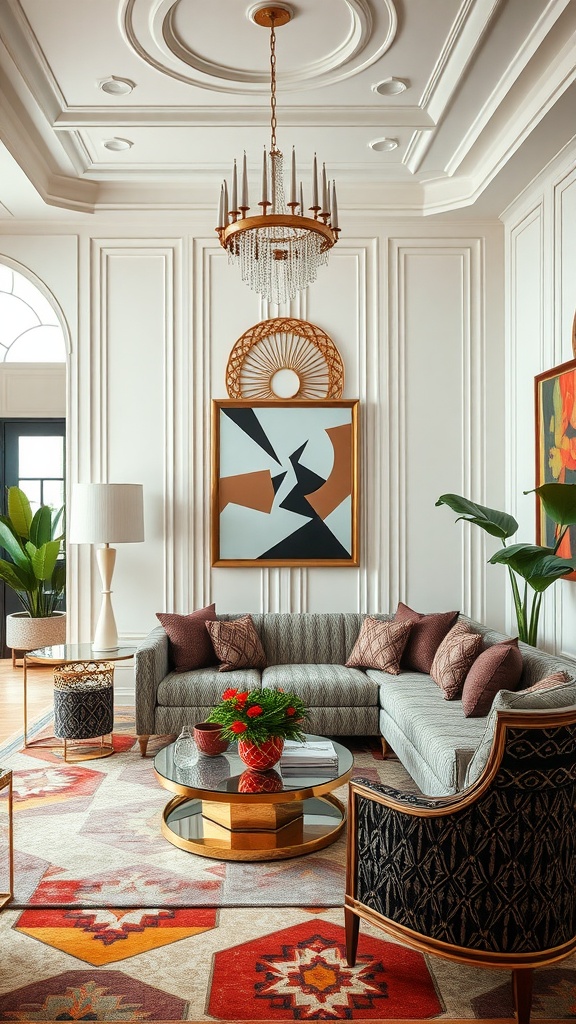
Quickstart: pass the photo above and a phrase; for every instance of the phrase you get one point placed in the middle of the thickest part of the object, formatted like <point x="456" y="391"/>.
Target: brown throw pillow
<point x="379" y="645"/>
<point x="499" y="667"/>
<point x="453" y="659"/>
<point x="549" y="682"/>
<point x="427" y="633"/>
<point x="189" y="645"/>
<point x="237" y="644"/>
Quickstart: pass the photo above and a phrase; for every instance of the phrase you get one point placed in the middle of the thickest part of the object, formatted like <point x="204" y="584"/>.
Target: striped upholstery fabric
<point x="329" y="686"/>
<point x="204" y="686"/>
<point x="150" y="668"/>
<point x="431" y="736"/>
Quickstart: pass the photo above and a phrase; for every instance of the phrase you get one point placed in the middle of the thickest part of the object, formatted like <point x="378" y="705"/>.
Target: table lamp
<point x="106" y="514"/>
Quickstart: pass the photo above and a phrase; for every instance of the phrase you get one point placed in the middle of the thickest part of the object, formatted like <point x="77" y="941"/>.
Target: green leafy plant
<point x="537" y="566"/>
<point x="257" y="715"/>
<point x="37" y="571"/>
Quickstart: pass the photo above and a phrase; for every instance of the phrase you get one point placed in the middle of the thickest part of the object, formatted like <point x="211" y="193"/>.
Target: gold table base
<point x="84" y="750"/>
<point x="6" y="783"/>
<point x="296" y="827"/>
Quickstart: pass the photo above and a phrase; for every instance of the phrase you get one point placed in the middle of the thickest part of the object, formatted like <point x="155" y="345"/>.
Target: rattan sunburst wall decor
<point x="285" y="358"/>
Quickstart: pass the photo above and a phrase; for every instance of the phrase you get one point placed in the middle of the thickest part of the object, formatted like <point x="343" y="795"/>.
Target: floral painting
<point x="556" y="444"/>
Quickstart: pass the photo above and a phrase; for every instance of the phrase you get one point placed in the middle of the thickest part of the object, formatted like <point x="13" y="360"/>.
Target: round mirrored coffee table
<point x="224" y="810"/>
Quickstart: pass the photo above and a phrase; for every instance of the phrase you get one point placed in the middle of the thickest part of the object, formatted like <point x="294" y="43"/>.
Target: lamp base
<point x="106" y="635"/>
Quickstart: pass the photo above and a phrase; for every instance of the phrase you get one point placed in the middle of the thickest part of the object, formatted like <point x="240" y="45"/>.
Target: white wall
<point x="541" y="302"/>
<point x="416" y="310"/>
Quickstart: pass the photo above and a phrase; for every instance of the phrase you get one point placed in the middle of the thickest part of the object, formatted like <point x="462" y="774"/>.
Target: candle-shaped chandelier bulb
<point x="280" y="248"/>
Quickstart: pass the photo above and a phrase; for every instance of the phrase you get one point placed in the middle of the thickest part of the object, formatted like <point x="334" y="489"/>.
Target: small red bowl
<point x="208" y="738"/>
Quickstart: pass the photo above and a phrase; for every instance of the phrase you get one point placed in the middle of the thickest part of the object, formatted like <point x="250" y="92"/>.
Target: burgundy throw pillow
<point x="499" y="667"/>
<point x="454" y="658"/>
<point x="189" y="645"/>
<point x="426" y="635"/>
<point x="379" y="645"/>
<point x="237" y="644"/>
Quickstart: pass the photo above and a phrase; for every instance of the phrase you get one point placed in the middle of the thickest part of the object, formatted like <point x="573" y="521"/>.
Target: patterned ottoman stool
<point x="84" y="708"/>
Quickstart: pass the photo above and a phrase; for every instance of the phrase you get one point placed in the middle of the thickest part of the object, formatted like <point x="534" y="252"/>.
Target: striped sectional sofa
<point x="306" y="654"/>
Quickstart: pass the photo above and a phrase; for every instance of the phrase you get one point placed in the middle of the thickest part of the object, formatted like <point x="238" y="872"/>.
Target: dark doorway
<point x="33" y="458"/>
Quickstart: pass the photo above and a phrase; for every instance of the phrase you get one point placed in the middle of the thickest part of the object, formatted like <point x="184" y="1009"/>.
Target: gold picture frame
<point x="285" y="483"/>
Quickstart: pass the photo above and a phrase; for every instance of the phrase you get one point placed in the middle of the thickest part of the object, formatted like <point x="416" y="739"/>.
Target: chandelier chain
<point x="272" y="86"/>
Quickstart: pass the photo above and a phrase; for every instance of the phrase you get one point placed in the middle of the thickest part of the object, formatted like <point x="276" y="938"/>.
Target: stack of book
<point x="316" y="757"/>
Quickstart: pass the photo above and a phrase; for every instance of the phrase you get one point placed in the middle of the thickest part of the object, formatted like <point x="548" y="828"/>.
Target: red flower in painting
<point x="254" y="711"/>
<point x="238" y="727"/>
<point x="228" y="694"/>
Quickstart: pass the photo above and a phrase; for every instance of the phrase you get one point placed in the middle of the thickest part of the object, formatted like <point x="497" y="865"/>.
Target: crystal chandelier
<point x="278" y="252"/>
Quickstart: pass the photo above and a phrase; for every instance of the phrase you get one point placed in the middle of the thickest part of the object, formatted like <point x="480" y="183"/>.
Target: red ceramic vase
<point x="262" y="757"/>
<point x="252" y="781"/>
<point x="208" y="738"/>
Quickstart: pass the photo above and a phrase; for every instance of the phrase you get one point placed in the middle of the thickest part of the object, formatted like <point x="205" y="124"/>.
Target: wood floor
<point x="12" y="691"/>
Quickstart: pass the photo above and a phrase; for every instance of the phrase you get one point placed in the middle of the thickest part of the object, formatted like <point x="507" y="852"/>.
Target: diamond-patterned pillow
<point x="380" y="645"/>
<point x="453" y="659"/>
<point x="237" y="644"/>
<point x="427" y="633"/>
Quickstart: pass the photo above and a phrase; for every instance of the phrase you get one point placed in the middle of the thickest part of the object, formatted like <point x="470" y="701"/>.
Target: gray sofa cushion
<point x="204" y="686"/>
<point x="307" y="638"/>
<point x="431" y="736"/>
<point x="323" y="685"/>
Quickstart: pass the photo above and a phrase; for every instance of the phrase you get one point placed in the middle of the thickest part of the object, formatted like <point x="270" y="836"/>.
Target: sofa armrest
<point x="400" y="799"/>
<point x="151" y="666"/>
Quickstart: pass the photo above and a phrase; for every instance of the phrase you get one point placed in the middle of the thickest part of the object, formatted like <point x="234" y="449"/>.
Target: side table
<point x="6" y="783"/>
<point x="60" y="656"/>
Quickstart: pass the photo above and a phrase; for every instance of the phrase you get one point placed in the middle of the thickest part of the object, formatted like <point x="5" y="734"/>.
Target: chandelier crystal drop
<point x="280" y="248"/>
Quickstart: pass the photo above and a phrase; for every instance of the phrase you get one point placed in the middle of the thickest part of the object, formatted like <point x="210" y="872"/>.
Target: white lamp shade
<point x="106" y="514"/>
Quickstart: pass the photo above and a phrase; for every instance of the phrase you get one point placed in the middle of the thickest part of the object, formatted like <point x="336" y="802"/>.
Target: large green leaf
<point x="13" y="547"/>
<point x="19" y="511"/>
<point x="41" y="526"/>
<point x="539" y="566"/>
<point x="58" y="581"/>
<point x="558" y="501"/>
<point x="43" y="559"/>
<point x="497" y="524"/>
<point x="16" y="578"/>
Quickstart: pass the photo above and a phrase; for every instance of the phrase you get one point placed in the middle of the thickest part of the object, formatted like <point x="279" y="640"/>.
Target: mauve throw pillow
<point x="237" y="644"/>
<point x="189" y="645"/>
<point x="453" y="659"/>
<point x="499" y="667"/>
<point x="379" y="645"/>
<point x="426" y="635"/>
<point x="549" y="682"/>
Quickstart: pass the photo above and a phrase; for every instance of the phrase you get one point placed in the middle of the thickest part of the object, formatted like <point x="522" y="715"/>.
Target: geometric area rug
<point x="112" y="923"/>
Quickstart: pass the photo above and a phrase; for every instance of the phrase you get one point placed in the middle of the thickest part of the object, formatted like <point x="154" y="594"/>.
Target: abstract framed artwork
<point x="285" y="483"/>
<point x="555" y="408"/>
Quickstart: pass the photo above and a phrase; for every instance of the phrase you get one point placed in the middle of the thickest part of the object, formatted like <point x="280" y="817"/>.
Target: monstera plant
<point x="538" y="567"/>
<point x="36" y="570"/>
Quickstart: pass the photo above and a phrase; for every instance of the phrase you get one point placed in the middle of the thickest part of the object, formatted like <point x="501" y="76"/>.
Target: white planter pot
<point x="26" y="634"/>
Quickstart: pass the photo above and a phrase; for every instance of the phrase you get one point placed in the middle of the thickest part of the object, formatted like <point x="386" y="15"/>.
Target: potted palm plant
<point x="537" y="566"/>
<point x="34" y="568"/>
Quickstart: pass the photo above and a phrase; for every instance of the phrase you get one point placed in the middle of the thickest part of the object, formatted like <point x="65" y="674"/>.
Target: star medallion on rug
<point x="77" y="995"/>
<point x="105" y="936"/>
<point x="301" y="973"/>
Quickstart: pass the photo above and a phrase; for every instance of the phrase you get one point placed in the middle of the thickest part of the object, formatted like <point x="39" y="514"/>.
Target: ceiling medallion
<point x="285" y="358"/>
<point x="278" y="252"/>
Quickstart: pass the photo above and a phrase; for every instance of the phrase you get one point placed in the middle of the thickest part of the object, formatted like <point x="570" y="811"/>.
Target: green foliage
<point x="259" y="714"/>
<point x="36" y="571"/>
<point x="539" y="567"/>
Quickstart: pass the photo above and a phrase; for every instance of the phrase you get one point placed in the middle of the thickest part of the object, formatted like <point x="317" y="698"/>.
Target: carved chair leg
<point x="352" y="922"/>
<point x="143" y="741"/>
<point x="522" y="992"/>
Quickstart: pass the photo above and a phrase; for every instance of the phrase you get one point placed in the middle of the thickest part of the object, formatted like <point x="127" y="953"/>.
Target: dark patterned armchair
<point x="486" y="877"/>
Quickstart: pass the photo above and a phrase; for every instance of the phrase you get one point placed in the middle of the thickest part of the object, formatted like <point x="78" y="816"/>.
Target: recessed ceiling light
<point x="118" y="144"/>
<point x="383" y="145"/>
<point x="390" y="87"/>
<point x="114" y="86"/>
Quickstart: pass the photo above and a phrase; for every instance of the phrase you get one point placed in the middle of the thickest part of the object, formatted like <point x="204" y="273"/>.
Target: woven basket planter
<point x="26" y="634"/>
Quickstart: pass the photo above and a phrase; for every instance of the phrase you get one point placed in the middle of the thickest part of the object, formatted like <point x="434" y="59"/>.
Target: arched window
<point x="30" y="331"/>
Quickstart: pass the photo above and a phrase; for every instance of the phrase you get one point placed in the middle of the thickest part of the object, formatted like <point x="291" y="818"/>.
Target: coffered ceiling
<point x="416" y="106"/>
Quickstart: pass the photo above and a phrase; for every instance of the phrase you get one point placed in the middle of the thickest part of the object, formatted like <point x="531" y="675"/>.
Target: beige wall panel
<point x="33" y="391"/>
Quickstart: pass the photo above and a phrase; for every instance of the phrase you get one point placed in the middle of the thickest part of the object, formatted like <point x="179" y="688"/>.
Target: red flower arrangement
<point x="259" y="714"/>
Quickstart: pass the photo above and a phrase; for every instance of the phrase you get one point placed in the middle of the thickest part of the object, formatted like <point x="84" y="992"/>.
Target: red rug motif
<point x="301" y="974"/>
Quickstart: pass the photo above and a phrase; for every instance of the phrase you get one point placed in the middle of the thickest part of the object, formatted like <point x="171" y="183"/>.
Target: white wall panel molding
<point x="135" y="331"/>
<point x="432" y="272"/>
